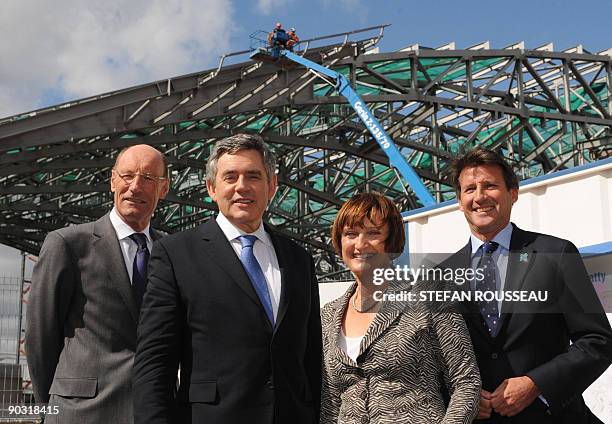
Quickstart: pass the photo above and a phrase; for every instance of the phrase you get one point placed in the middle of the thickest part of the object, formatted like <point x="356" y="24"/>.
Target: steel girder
<point x="543" y="110"/>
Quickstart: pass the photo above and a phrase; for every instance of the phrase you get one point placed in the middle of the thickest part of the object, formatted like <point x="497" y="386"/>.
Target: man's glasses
<point x="129" y="177"/>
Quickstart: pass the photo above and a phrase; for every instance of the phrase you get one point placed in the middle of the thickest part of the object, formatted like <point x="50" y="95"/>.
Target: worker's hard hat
<point x="292" y="30"/>
<point x="278" y="25"/>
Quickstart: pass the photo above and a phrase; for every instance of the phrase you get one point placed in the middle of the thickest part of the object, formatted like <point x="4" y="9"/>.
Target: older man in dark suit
<point x="87" y="289"/>
<point x="236" y="305"/>
<point x="535" y="358"/>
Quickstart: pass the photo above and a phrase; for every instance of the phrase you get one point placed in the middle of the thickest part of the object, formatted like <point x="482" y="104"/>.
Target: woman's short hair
<point x="379" y="210"/>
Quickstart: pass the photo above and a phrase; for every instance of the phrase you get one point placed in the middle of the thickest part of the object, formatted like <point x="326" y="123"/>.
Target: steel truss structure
<point x="544" y="110"/>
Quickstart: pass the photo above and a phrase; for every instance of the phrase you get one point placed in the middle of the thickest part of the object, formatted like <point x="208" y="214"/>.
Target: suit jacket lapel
<point x="286" y="275"/>
<point x="219" y="250"/>
<point x="337" y="326"/>
<point x="107" y="249"/>
<point x="155" y="235"/>
<point x="520" y="261"/>
<point x="384" y="318"/>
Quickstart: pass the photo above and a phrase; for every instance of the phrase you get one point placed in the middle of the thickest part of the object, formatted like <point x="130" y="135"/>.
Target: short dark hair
<point x="378" y="209"/>
<point x="235" y="143"/>
<point x="481" y="156"/>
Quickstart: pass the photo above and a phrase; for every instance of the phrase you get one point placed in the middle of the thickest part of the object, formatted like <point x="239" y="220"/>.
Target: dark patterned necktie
<point x="488" y="310"/>
<point x="256" y="275"/>
<point x="139" y="269"/>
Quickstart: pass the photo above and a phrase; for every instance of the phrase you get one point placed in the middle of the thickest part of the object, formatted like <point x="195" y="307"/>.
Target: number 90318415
<point x="21" y="410"/>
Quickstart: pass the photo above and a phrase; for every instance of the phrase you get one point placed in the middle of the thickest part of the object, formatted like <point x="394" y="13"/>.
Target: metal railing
<point x="15" y="385"/>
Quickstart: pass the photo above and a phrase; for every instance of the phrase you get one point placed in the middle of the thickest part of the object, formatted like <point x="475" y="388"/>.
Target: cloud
<point x="266" y="7"/>
<point x="67" y="49"/>
<point x="354" y="7"/>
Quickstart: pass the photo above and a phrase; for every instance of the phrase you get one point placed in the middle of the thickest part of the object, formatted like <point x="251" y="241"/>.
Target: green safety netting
<point x="400" y="72"/>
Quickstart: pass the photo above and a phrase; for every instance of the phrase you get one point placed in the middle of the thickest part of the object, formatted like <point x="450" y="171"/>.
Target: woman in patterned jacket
<point x="384" y="363"/>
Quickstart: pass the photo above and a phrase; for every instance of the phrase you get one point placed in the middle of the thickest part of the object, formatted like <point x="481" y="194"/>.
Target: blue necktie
<point x="139" y="268"/>
<point x="255" y="273"/>
<point x="488" y="310"/>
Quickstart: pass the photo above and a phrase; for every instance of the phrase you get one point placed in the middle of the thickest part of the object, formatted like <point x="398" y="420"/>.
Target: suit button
<point x="363" y="395"/>
<point x="494" y="356"/>
<point x="270" y="384"/>
<point x="364" y="419"/>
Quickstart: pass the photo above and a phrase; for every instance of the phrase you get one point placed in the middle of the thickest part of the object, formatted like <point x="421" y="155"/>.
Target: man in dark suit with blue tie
<point x="535" y="358"/>
<point x="234" y="306"/>
<point x="87" y="289"/>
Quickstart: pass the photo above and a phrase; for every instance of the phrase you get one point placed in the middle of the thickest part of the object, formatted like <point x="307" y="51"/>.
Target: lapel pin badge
<point x="524" y="257"/>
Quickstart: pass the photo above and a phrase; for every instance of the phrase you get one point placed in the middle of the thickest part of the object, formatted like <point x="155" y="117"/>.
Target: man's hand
<point x="514" y="395"/>
<point x="484" y="408"/>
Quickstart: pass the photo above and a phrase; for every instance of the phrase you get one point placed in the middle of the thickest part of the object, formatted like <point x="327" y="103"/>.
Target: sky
<point x="61" y="50"/>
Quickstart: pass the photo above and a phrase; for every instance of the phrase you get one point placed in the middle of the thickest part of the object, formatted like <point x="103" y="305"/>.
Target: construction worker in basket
<point x="278" y="37"/>
<point x="293" y="39"/>
<point x="277" y="40"/>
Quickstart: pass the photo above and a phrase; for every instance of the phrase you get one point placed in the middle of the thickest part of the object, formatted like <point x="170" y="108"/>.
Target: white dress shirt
<point x="264" y="252"/>
<point x="128" y="246"/>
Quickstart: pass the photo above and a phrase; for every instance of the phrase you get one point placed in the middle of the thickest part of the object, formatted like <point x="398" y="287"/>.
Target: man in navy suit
<point x="236" y="305"/>
<point x="535" y="359"/>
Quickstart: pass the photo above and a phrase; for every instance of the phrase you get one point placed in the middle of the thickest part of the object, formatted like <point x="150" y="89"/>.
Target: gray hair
<point x="232" y="145"/>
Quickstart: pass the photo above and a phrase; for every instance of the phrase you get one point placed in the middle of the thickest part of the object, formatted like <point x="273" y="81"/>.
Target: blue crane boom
<point x="343" y="86"/>
<point x="367" y="117"/>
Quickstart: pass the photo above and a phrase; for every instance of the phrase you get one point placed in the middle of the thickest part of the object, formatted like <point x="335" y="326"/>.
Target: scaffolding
<point x="544" y="110"/>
